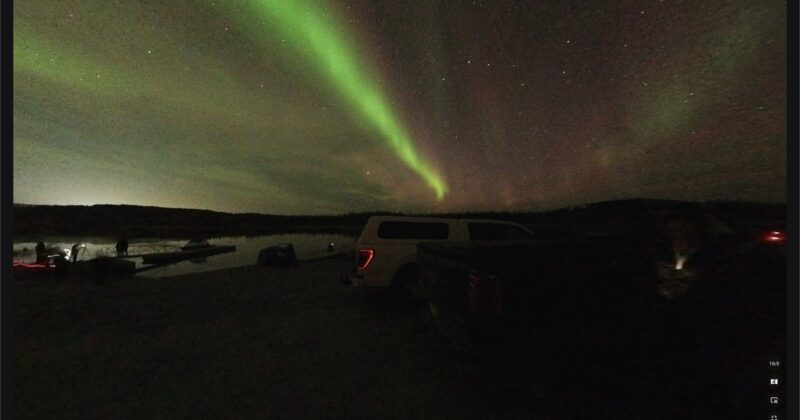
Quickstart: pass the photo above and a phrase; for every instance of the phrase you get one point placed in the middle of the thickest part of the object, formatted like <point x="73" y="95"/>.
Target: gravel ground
<point x="255" y="342"/>
<point x="249" y="342"/>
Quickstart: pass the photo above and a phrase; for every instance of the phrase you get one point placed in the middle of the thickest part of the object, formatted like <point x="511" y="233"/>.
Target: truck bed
<point x="545" y="286"/>
<point x="600" y="295"/>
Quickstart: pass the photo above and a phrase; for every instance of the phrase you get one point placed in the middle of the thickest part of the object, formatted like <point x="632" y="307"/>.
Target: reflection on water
<point x="306" y="246"/>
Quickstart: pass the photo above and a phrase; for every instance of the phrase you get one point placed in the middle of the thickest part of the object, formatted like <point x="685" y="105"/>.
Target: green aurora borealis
<point x="315" y="37"/>
<point x="313" y="106"/>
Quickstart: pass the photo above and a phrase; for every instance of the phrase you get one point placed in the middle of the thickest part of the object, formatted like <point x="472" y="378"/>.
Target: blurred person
<point x="74" y="252"/>
<point x="41" y="257"/>
<point x="122" y="246"/>
<point x="61" y="266"/>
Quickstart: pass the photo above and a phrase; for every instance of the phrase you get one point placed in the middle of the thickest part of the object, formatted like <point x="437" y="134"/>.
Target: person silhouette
<point x="122" y="246"/>
<point x="74" y="252"/>
<point x="40" y="252"/>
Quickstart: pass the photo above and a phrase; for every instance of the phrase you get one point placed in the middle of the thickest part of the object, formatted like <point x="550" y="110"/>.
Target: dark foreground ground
<point x="257" y="342"/>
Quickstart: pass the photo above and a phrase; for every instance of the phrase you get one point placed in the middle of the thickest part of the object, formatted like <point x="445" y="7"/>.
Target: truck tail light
<point x="498" y="296"/>
<point x="484" y="293"/>
<point x="472" y="291"/>
<point x="364" y="257"/>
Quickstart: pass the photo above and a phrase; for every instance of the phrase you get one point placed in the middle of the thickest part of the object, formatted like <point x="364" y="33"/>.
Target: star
<point x="344" y="85"/>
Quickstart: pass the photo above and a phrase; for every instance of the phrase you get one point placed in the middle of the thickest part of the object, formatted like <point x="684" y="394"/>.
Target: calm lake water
<point x="305" y="245"/>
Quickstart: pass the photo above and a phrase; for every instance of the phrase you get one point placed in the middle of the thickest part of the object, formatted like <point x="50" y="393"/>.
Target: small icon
<point x="773" y="400"/>
<point x="773" y="417"/>
<point x="773" y="381"/>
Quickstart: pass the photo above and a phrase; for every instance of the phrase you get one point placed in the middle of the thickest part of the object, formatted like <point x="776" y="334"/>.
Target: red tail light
<point x="484" y="293"/>
<point x="774" y="237"/>
<point x="365" y="257"/>
<point x="472" y="291"/>
<point x="498" y="296"/>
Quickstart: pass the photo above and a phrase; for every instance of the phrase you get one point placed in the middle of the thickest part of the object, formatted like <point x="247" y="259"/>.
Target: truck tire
<point x="450" y="327"/>
<point x="407" y="289"/>
<point x="452" y="331"/>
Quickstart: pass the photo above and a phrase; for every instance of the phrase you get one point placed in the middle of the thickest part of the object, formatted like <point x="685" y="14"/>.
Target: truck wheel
<point x="449" y="327"/>
<point x="452" y="331"/>
<point x="407" y="289"/>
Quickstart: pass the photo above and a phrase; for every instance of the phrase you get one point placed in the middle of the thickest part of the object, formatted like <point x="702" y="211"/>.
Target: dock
<point x="119" y="266"/>
<point x="160" y="258"/>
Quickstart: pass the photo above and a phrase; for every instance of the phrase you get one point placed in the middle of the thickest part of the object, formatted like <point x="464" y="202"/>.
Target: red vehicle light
<point x="774" y="237"/>
<point x="498" y="296"/>
<point x="472" y="291"/>
<point x="484" y="293"/>
<point x="365" y="257"/>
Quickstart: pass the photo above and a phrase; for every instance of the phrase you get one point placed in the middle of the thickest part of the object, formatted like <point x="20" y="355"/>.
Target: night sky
<point x="325" y="107"/>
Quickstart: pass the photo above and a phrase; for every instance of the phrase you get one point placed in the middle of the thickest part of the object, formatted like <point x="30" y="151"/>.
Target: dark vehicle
<point x="673" y="305"/>
<point x="479" y="292"/>
<point x="660" y="252"/>
<point x="282" y="255"/>
<point x="196" y="244"/>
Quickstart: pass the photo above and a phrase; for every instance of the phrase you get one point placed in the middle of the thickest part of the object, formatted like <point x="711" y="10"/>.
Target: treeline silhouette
<point x="144" y="221"/>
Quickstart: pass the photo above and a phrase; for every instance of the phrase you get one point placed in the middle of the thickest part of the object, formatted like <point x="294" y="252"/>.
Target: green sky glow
<point x="675" y="106"/>
<point x="310" y="33"/>
<point x="330" y="106"/>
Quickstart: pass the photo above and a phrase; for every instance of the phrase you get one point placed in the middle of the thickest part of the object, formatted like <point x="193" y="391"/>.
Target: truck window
<point x="497" y="232"/>
<point x="413" y="230"/>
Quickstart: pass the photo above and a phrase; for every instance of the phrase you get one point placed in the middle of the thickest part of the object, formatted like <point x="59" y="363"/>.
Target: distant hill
<point x="142" y="221"/>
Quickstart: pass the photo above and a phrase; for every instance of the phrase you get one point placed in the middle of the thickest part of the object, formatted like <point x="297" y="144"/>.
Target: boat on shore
<point x="62" y="269"/>
<point x="22" y="267"/>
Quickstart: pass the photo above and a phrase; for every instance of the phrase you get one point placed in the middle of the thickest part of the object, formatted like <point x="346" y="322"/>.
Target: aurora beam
<point x="310" y="32"/>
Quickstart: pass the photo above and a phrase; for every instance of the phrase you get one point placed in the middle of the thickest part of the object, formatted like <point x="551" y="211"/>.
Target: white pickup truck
<point x="386" y="251"/>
